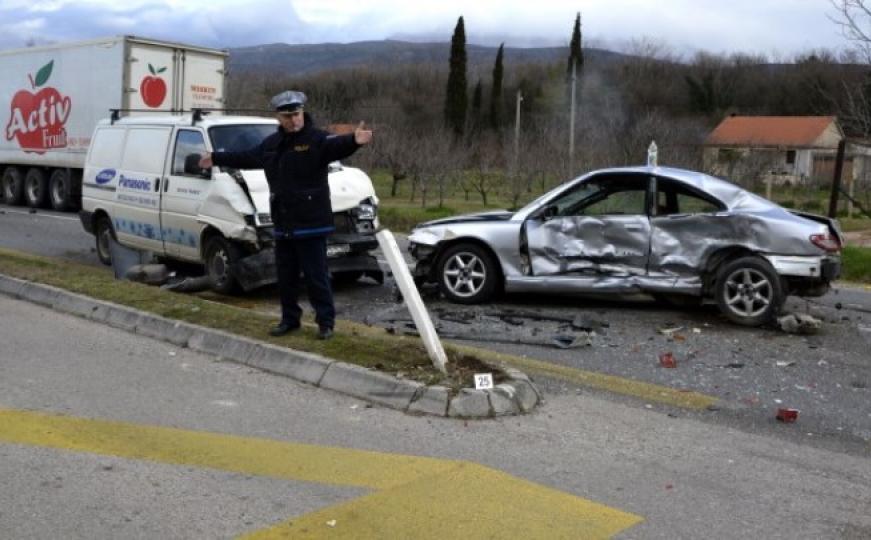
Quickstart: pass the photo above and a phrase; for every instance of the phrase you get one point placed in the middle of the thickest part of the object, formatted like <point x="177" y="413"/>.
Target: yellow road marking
<point x="611" y="383"/>
<point x="416" y="497"/>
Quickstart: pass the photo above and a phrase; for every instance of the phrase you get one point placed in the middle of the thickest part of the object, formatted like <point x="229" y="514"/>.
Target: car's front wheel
<point x="103" y="235"/>
<point x="749" y="292"/>
<point x="221" y="255"/>
<point x="467" y="274"/>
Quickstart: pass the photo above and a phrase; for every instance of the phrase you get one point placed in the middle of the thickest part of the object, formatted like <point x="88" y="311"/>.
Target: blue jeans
<point x="306" y="256"/>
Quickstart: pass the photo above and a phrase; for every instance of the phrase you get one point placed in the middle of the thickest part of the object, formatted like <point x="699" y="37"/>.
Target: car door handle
<point x="157" y="184"/>
<point x="165" y="185"/>
<point x="629" y="227"/>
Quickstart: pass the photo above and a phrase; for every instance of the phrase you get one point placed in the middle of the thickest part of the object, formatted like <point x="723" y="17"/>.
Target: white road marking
<point x="27" y="213"/>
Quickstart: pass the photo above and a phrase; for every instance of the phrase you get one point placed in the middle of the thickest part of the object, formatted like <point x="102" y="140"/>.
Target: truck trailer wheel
<point x="221" y="255"/>
<point x="13" y="186"/>
<point x="61" y="190"/>
<point x="36" y="188"/>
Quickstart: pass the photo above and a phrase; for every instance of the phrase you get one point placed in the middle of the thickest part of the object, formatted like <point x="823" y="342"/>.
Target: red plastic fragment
<point x="787" y="416"/>
<point x="667" y="360"/>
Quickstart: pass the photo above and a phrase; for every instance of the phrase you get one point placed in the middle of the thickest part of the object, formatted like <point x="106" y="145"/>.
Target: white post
<point x="517" y="131"/>
<point x="412" y="299"/>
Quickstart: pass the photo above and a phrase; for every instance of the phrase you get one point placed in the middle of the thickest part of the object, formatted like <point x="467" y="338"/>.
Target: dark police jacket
<point x="296" y="168"/>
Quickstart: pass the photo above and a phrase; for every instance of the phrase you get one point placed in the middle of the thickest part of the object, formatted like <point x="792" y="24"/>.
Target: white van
<point x="141" y="186"/>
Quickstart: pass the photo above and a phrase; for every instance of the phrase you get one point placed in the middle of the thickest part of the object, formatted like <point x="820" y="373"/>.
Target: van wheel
<point x="36" y="188"/>
<point x="221" y="255"/>
<point x="13" y="186"/>
<point x="749" y="291"/>
<point x="104" y="234"/>
<point x="60" y="190"/>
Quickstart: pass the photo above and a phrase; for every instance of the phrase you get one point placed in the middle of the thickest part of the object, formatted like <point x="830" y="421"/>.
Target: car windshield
<point x="238" y="138"/>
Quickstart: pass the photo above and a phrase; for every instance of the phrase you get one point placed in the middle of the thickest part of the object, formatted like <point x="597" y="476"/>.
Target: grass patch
<point x="856" y="264"/>
<point x="353" y="343"/>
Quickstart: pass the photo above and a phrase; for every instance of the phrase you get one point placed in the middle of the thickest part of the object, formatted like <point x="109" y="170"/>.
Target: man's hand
<point x="362" y="136"/>
<point x="206" y="161"/>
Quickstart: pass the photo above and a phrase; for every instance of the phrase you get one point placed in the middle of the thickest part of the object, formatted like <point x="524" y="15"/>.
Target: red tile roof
<point x="790" y="131"/>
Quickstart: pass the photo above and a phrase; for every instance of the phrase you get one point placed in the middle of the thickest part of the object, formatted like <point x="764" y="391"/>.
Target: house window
<point x="790" y="157"/>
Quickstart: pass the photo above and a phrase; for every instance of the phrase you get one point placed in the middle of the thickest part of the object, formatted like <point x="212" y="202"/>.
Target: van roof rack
<point x="197" y="113"/>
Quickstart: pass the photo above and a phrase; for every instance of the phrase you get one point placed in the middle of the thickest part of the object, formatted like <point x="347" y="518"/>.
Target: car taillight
<point x="826" y="242"/>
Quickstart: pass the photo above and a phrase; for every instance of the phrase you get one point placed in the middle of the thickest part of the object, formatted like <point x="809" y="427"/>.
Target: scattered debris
<point x="669" y="331"/>
<point x="667" y="360"/>
<point x="799" y="323"/>
<point x="331" y="523"/>
<point x="697" y="330"/>
<point x="149" y="274"/>
<point x="787" y="416"/>
<point x="564" y="341"/>
<point x="733" y="365"/>
<point x="785" y="363"/>
<point x="188" y="284"/>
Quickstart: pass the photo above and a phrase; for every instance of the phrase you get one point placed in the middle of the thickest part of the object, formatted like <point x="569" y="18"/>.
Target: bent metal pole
<point x="412" y="299"/>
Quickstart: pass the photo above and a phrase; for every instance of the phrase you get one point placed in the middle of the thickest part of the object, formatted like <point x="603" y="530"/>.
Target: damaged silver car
<point x="671" y="233"/>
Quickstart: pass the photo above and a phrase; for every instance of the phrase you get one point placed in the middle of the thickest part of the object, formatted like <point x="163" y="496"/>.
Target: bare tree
<point x="854" y="19"/>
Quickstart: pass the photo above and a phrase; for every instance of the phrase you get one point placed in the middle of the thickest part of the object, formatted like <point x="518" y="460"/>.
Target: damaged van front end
<point x="237" y="208"/>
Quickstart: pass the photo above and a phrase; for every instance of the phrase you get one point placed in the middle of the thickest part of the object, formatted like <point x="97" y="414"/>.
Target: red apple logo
<point x="153" y="89"/>
<point x="37" y="120"/>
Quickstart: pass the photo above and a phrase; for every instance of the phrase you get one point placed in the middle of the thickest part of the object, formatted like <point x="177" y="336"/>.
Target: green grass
<point x="353" y="343"/>
<point x="856" y="264"/>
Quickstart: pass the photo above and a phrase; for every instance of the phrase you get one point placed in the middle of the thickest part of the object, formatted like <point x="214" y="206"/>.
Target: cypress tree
<point x="477" y="99"/>
<point x="576" y="53"/>
<point x="496" y="92"/>
<point x="456" y="102"/>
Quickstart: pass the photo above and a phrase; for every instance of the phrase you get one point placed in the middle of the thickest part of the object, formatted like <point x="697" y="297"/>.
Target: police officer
<point x="295" y="160"/>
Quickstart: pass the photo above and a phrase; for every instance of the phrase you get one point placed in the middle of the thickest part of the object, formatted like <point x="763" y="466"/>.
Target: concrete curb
<point x="515" y="396"/>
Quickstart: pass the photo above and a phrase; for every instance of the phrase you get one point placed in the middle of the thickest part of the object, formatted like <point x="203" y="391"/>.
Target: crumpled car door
<point x="600" y="230"/>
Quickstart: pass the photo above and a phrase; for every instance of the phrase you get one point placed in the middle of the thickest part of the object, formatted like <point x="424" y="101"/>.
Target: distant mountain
<point x="309" y="59"/>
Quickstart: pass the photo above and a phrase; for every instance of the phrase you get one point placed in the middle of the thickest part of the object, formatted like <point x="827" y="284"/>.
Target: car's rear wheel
<point x="103" y="235"/>
<point x="36" y="188"/>
<point x="13" y="186"/>
<point x="221" y="255"/>
<point x="467" y="274"/>
<point x="749" y="291"/>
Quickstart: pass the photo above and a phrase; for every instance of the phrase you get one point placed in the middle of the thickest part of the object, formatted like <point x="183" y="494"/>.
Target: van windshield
<point x="241" y="137"/>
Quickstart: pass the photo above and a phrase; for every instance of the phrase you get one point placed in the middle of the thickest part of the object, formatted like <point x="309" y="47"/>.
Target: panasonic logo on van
<point x="134" y="183"/>
<point x="105" y="176"/>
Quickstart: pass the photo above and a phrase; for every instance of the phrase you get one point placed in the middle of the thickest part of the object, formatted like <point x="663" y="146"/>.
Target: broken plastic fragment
<point x="787" y="416"/>
<point x="667" y="360"/>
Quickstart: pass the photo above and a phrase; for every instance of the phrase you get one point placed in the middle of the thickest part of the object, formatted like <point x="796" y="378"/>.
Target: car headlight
<point x="365" y="211"/>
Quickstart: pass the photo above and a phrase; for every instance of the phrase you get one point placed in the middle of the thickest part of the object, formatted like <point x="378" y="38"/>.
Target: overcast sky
<point x="775" y="27"/>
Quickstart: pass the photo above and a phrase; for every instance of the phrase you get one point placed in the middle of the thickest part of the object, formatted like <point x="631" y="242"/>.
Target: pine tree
<point x="496" y="92"/>
<point x="576" y="53"/>
<point x="456" y="101"/>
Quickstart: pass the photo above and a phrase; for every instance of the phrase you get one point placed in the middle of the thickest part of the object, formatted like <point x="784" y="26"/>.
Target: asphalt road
<point x="153" y="441"/>
<point x="753" y="372"/>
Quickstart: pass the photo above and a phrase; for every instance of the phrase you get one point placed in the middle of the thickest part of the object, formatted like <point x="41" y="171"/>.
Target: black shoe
<point x="283" y="328"/>
<point x="325" y="332"/>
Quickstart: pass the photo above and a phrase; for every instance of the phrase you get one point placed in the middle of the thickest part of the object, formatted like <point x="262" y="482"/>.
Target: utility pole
<point x="572" y="122"/>
<point x="517" y="131"/>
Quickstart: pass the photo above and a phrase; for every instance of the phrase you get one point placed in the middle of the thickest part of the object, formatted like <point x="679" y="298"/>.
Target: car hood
<point x="495" y="215"/>
<point x="348" y="186"/>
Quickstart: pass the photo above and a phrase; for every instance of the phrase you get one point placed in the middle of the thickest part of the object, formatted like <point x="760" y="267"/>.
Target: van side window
<point x="106" y="148"/>
<point x="187" y="142"/>
<point x="145" y="150"/>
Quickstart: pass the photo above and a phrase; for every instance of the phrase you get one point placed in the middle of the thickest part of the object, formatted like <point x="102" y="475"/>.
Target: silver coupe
<point x="667" y="232"/>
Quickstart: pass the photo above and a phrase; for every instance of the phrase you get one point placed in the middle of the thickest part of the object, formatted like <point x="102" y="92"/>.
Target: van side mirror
<point x="192" y="167"/>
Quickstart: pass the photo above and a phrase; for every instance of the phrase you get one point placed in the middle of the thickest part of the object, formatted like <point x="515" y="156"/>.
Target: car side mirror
<point x="192" y="167"/>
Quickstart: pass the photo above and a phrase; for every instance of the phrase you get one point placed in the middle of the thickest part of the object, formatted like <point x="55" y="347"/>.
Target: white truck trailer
<point x="51" y="99"/>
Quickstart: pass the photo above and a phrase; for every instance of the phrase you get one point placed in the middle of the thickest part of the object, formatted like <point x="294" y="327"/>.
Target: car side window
<point x="187" y="142"/>
<point x="605" y="195"/>
<point x="674" y="198"/>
